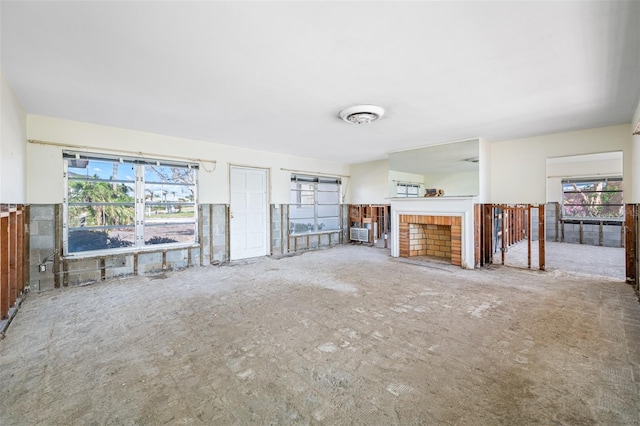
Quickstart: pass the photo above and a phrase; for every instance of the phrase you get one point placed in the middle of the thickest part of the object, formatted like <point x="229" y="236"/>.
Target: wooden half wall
<point x="631" y="241"/>
<point x="12" y="260"/>
<point x="499" y="226"/>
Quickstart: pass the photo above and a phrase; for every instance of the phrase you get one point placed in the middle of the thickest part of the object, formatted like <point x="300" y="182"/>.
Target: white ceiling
<point x="274" y="75"/>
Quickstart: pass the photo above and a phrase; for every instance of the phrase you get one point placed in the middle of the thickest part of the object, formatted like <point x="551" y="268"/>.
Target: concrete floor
<point x="340" y="336"/>
<point x="579" y="259"/>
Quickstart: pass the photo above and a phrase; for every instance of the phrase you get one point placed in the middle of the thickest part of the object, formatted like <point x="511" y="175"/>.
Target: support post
<point x="4" y="265"/>
<point x="541" y="238"/>
<point x="529" y="236"/>
<point x="630" y="240"/>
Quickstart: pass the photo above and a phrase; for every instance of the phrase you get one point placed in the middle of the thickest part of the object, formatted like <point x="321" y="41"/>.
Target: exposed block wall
<point x="42" y="239"/>
<point x="590" y="232"/>
<point x="44" y="249"/>
<point x="292" y="243"/>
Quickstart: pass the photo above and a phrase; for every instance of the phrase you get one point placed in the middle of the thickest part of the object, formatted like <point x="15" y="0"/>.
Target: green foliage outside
<point x="597" y="199"/>
<point x="98" y="214"/>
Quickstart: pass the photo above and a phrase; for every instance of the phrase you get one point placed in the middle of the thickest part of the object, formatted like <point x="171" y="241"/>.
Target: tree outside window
<point x="123" y="202"/>
<point x="596" y="198"/>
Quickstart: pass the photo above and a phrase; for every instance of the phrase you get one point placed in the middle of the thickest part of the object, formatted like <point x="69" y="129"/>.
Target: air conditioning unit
<point x="359" y="234"/>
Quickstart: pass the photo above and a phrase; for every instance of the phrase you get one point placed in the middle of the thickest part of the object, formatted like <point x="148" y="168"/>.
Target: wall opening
<point x="432" y="236"/>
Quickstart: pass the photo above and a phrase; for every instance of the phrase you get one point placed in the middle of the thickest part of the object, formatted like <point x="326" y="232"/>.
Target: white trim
<point x="462" y="207"/>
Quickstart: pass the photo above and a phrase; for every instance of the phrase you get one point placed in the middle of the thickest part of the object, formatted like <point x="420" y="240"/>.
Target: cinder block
<point x="571" y="237"/>
<point x="195" y="257"/>
<point x="177" y="259"/>
<point x="83" y="277"/>
<point x="39" y="212"/>
<point x="610" y="242"/>
<point x="149" y="263"/>
<point x="219" y="254"/>
<point x="40" y="242"/>
<point x="205" y="216"/>
<point x="119" y="272"/>
<point x="41" y="283"/>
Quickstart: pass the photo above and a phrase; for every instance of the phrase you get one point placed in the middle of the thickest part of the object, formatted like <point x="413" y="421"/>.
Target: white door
<point x="249" y="231"/>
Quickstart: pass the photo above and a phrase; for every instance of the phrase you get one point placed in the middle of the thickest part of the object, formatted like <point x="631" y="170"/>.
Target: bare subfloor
<point x="340" y="336"/>
<point x="581" y="259"/>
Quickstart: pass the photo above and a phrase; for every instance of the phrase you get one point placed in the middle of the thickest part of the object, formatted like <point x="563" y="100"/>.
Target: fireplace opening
<point x="439" y="237"/>
<point x="430" y="240"/>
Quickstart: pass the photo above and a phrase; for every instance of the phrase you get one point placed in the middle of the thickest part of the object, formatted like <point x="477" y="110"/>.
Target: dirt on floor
<point x="347" y="335"/>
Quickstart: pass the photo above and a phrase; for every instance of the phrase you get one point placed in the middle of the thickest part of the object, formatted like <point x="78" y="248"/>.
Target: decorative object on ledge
<point x="433" y="192"/>
<point x="362" y="114"/>
<point x="637" y="130"/>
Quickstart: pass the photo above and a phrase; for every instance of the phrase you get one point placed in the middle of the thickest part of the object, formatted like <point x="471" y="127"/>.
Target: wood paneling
<point x="630" y="239"/>
<point x="12" y="257"/>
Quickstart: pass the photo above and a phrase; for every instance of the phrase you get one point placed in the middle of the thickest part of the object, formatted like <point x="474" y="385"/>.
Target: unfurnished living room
<point x="319" y="212"/>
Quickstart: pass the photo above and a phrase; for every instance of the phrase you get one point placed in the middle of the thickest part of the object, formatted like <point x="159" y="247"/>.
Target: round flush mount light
<point x="362" y="114"/>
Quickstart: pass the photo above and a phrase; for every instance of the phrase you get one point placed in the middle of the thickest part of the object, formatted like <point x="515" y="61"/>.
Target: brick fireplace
<point x="426" y="235"/>
<point x="455" y="213"/>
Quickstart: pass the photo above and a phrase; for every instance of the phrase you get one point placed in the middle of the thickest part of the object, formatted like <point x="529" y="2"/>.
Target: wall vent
<point x="359" y="234"/>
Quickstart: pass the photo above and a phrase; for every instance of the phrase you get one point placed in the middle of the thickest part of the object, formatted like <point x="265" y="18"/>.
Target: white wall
<point x="634" y="161"/>
<point x="13" y="134"/>
<point x="45" y="184"/>
<point x="484" y="171"/>
<point x="369" y="183"/>
<point x="454" y="184"/>
<point x="395" y="177"/>
<point x="518" y="167"/>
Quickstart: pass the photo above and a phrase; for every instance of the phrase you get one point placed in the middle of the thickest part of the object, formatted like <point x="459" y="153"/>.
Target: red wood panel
<point x="541" y="238"/>
<point x="13" y="257"/>
<point x="630" y="241"/>
<point x="21" y="251"/>
<point x="4" y="267"/>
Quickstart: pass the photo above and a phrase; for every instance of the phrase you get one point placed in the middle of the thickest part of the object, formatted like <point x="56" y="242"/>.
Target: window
<point x="407" y="190"/>
<point x="124" y="202"/>
<point x="315" y="204"/>
<point x="597" y="198"/>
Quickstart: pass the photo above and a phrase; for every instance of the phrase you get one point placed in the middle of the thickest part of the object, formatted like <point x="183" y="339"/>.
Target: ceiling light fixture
<point x="362" y="114"/>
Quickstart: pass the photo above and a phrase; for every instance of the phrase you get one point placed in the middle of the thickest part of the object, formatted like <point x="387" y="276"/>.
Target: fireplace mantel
<point x="437" y="206"/>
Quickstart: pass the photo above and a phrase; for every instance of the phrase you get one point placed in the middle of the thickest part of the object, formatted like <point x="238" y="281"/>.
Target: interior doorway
<point x="516" y="231"/>
<point x="585" y="214"/>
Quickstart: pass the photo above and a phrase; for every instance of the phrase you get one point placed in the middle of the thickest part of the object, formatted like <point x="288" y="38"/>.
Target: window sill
<point x="128" y="250"/>
<point x="593" y="221"/>
<point x="302" y="234"/>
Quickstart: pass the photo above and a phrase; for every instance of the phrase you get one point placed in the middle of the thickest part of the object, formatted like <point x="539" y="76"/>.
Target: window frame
<point x="592" y="180"/>
<point x="139" y="203"/>
<point x="315" y="181"/>
<point x="405" y="192"/>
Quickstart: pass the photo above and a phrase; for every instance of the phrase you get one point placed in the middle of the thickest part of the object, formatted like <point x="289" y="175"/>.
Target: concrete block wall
<point x="590" y="233"/>
<point x="45" y="228"/>
<point x="42" y="245"/>
<point x="83" y="271"/>
<point x="550" y="222"/>
<point x="613" y="236"/>
<point x="297" y="243"/>
<point x="205" y="213"/>
<point x="535" y="226"/>
<point x="279" y="229"/>
<point x="219" y="233"/>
